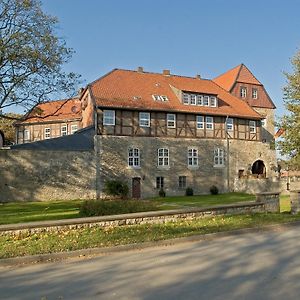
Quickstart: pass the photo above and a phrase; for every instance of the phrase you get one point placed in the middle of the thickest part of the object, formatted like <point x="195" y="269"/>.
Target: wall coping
<point x="88" y="220"/>
<point x="267" y="193"/>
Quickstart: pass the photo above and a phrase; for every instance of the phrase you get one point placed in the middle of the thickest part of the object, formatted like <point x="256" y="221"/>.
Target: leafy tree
<point x="31" y="56"/>
<point x="290" y="123"/>
<point x="6" y="125"/>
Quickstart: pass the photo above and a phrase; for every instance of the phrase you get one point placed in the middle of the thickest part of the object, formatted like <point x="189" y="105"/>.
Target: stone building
<point x="49" y="120"/>
<point x="167" y="131"/>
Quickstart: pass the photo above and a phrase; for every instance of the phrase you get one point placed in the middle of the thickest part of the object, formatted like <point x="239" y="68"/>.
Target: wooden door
<point x="136" y="187"/>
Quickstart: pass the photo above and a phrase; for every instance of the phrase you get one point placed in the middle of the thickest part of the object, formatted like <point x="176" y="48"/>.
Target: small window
<point x="206" y="100"/>
<point x="171" y="120"/>
<point x="74" y="128"/>
<point x="252" y="127"/>
<point x="26" y="135"/>
<point x="219" y="157"/>
<point x="144" y="119"/>
<point x="163" y="157"/>
<point x="199" y="100"/>
<point x="156" y="97"/>
<point x="200" y="122"/>
<point x="213" y="101"/>
<point x="254" y="93"/>
<point x="134" y="157"/>
<point x="182" y="182"/>
<point x="243" y="92"/>
<point x="193" y="99"/>
<point x="160" y="182"/>
<point x="229" y="124"/>
<point x="263" y="122"/>
<point x="47" y="133"/>
<point x="63" y="130"/>
<point x="186" y="98"/>
<point x="209" y="123"/>
<point x="192" y="157"/>
<point x="108" y="117"/>
<point x="164" y="98"/>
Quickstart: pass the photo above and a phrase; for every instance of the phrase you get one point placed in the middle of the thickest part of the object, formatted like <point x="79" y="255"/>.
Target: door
<point x="136" y="187"/>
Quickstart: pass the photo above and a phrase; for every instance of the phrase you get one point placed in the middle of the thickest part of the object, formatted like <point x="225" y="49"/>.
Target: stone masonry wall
<point x="27" y="175"/>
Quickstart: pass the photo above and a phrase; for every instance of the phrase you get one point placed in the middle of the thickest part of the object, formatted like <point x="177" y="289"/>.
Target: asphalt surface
<point x="261" y="265"/>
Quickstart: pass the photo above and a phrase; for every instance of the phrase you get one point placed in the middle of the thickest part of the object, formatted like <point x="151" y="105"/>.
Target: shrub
<point x="214" y="190"/>
<point x="116" y="188"/>
<point x="90" y="208"/>
<point x="189" y="191"/>
<point x="162" y="193"/>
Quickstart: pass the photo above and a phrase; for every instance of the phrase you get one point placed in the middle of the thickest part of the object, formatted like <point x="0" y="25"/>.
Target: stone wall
<point x="28" y="175"/>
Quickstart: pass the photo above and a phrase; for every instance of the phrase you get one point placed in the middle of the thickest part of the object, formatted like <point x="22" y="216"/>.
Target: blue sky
<point x="188" y="37"/>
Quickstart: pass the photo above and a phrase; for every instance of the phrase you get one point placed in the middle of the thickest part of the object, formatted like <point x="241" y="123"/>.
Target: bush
<point x="189" y="191"/>
<point x="116" y="188"/>
<point x="162" y="193"/>
<point x="214" y="190"/>
<point x="91" y="208"/>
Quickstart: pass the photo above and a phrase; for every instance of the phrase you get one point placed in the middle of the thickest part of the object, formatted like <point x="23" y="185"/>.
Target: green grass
<point x="104" y="237"/>
<point x="285" y="203"/>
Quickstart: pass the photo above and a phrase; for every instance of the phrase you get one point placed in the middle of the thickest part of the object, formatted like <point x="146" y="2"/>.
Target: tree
<point x="6" y="125"/>
<point x="31" y="56"/>
<point x="290" y="122"/>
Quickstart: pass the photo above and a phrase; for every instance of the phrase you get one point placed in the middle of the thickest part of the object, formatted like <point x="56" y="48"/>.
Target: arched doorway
<point x="258" y="168"/>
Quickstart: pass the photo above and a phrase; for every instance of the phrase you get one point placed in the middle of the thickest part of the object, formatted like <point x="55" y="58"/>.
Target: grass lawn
<point x="285" y="203"/>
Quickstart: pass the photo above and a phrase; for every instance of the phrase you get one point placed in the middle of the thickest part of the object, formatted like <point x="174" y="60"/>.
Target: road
<point x="261" y="265"/>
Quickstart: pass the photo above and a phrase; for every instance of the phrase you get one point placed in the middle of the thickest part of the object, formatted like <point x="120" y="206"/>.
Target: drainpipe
<point x="227" y="151"/>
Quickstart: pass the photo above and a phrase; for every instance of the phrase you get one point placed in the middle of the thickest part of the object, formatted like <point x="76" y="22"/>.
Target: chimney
<point x="140" y="69"/>
<point x="198" y="76"/>
<point x="166" y="72"/>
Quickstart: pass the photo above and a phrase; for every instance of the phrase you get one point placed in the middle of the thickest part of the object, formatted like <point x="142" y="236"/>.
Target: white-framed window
<point x="192" y="157"/>
<point x="26" y="135"/>
<point x="186" y="98"/>
<point x="47" y="132"/>
<point x="134" y="157"/>
<point x="252" y="126"/>
<point x="200" y="122"/>
<point x="199" y="100"/>
<point x="206" y="100"/>
<point x="263" y="122"/>
<point x="159" y="182"/>
<point x="213" y="101"/>
<point x="219" y="160"/>
<point x="144" y="119"/>
<point x="209" y="123"/>
<point x="63" y="129"/>
<point x="160" y="97"/>
<point x="193" y="99"/>
<point x="254" y="93"/>
<point x="108" y="117"/>
<point x="182" y="182"/>
<point x="229" y="124"/>
<point x="243" y="92"/>
<point x="164" y="98"/>
<point x="171" y="120"/>
<point x="156" y="97"/>
<point x="163" y="157"/>
<point x="74" y="128"/>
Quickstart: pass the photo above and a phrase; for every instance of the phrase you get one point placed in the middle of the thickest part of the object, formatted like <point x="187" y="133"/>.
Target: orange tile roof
<point x="134" y="90"/>
<point x="58" y="110"/>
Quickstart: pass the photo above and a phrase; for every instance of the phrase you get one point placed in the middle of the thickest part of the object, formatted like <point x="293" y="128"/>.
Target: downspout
<point x="227" y="151"/>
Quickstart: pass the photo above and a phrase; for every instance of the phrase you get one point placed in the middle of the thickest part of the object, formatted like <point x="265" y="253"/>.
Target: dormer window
<point x="186" y="99"/>
<point x="254" y="93"/>
<point x="243" y="92"/>
<point x="199" y="100"/>
<point x="193" y="99"/>
<point x="206" y="100"/>
<point x="213" y="101"/>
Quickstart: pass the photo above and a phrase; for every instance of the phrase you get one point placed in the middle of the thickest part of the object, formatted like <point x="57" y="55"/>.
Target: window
<point x="213" y="101"/>
<point x="182" y="182"/>
<point x="160" y="97"/>
<point x="63" y="130"/>
<point x="134" y="157"/>
<point x="164" y="98"/>
<point x="159" y="182"/>
<point x="47" y="133"/>
<point x="252" y="126"/>
<point x="74" y="128"/>
<point x="206" y="100"/>
<point x="209" y="123"/>
<point x="144" y="119"/>
<point x="192" y="157"/>
<point x="229" y="124"/>
<point x="186" y="99"/>
<point x="199" y="100"/>
<point x="156" y="97"/>
<point x="163" y="157"/>
<point x="200" y="122"/>
<point x="108" y="117"/>
<point x="263" y="122"/>
<point x="254" y="93"/>
<point x="26" y="135"/>
<point x="193" y="99"/>
<point x="171" y="120"/>
<point x="218" y="157"/>
<point x="243" y="92"/>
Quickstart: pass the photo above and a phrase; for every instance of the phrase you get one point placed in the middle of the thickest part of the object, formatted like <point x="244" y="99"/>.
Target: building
<point x="49" y="120"/>
<point x="164" y="131"/>
<point x="1" y="139"/>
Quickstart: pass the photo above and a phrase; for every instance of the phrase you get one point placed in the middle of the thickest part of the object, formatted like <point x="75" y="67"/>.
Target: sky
<point x="188" y="37"/>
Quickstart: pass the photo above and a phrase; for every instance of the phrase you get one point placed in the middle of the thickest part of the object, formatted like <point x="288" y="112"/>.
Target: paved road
<point x="250" y="266"/>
